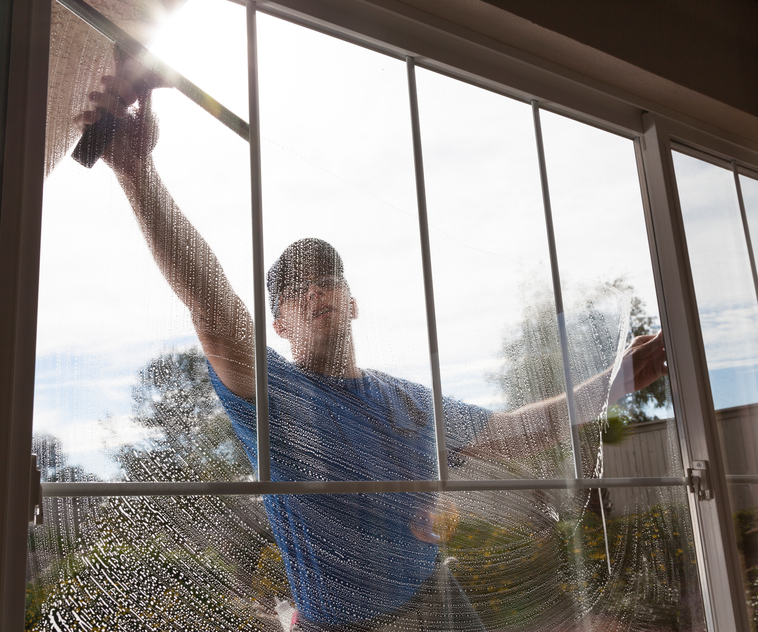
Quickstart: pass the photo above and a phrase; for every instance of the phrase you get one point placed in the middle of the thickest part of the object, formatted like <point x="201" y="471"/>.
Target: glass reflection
<point x="605" y="268"/>
<point x="728" y="310"/>
<point x="507" y="560"/>
<point x="104" y="313"/>
<point x="749" y="187"/>
<point x="331" y="118"/>
<point x="723" y="281"/>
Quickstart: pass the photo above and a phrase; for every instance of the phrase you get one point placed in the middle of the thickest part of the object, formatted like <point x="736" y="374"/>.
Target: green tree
<point x="189" y="435"/>
<point x="535" y="575"/>
<point x="532" y="370"/>
<point x="52" y="546"/>
<point x="168" y="563"/>
<point x="637" y="407"/>
<point x="532" y="367"/>
<point x="554" y="544"/>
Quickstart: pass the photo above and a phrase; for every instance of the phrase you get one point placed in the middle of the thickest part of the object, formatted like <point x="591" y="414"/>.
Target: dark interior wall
<point x="5" y="46"/>
<point x="5" y="40"/>
<point x="709" y="46"/>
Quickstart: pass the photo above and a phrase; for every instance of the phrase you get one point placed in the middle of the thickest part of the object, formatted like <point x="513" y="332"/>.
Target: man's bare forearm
<point x="540" y="425"/>
<point x="194" y="273"/>
<point x="183" y="256"/>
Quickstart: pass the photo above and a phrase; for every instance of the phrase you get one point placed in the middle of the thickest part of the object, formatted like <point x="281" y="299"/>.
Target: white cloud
<point x="730" y="336"/>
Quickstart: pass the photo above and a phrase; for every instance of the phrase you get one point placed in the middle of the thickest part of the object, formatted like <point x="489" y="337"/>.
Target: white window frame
<point x="458" y="53"/>
<point x="20" y="224"/>
<point x="720" y="575"/>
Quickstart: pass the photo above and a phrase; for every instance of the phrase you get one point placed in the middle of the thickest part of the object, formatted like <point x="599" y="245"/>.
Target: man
<point x="354" y="561"/>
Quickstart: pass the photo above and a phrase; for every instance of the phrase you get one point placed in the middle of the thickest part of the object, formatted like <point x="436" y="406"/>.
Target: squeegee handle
<point x="96" y="139"/>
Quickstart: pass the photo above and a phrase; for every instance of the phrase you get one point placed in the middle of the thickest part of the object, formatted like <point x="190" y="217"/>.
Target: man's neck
<point x="337" y="362"/>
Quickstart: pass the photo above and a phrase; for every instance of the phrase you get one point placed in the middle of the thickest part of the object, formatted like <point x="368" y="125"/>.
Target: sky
<point x="724" y="286"/>
<point x="337" y="164"/>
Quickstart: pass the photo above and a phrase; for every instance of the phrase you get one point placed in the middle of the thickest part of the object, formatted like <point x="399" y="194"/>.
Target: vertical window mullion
<point x="573" y="420"/>
<point x="426" y="262"/>
<point x="259" y="291"/>
<point x="745" y="226"/>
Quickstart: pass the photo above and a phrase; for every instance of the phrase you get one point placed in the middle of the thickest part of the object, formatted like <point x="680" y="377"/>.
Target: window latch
<point x="35" y="493"/>
<point x="699" y="480"/>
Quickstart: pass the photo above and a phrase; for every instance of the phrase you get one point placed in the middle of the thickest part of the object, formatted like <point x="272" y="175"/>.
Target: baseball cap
<point x="304" y="259"/>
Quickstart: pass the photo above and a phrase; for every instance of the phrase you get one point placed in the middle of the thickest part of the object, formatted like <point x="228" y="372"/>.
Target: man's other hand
<point x="127" y="96"/>
<point x="644" y="361"/>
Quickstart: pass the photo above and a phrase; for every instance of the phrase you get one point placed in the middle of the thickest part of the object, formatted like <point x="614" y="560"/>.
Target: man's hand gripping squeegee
<point x="98" y="136"/>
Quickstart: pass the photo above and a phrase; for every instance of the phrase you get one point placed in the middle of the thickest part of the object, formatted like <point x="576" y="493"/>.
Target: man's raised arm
<point x="537" y="426"/>
<point x="222" y="322"/>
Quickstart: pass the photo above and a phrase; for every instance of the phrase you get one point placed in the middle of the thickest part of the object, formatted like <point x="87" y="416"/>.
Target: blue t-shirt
<point x="350" y="557"/>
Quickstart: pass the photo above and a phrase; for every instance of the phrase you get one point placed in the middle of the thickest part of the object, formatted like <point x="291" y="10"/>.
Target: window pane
<point x="161" y="563"/>
<point x="507" y="560"/>
<point x="604" y="259"/>
<point x="723" y="282"/>
<point x="499" y="341"/>
<point x="124" y="393"/>
<point x="499" y="347"/>
<point x="338" y="167"/>
<point x="527" y="564"/>
<point x="205" y="41"/>
<point x="728" y="310"/>
<point x="491" y="267"/>
<point x="487" y="225"/>
<point x="105" y="312"/>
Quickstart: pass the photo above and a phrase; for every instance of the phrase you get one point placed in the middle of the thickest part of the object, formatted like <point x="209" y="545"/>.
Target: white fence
<point x="651" y="450"/>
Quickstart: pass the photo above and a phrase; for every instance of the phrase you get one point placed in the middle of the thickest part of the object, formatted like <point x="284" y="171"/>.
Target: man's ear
<point x="280" y="329"/>
<point x="353" y="308"/>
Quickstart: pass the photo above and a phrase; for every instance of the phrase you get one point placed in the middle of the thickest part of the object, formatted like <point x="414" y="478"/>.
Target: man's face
<point x="315" y="314"/>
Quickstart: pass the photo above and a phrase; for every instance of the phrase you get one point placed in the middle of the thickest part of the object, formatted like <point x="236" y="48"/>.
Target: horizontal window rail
<point x="64" y="490"/>
<point x="742" y="479"/>
<point x="67" y="490"/>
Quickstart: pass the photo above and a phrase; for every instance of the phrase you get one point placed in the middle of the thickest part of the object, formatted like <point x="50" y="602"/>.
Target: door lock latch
<point x="699" y="480"/>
